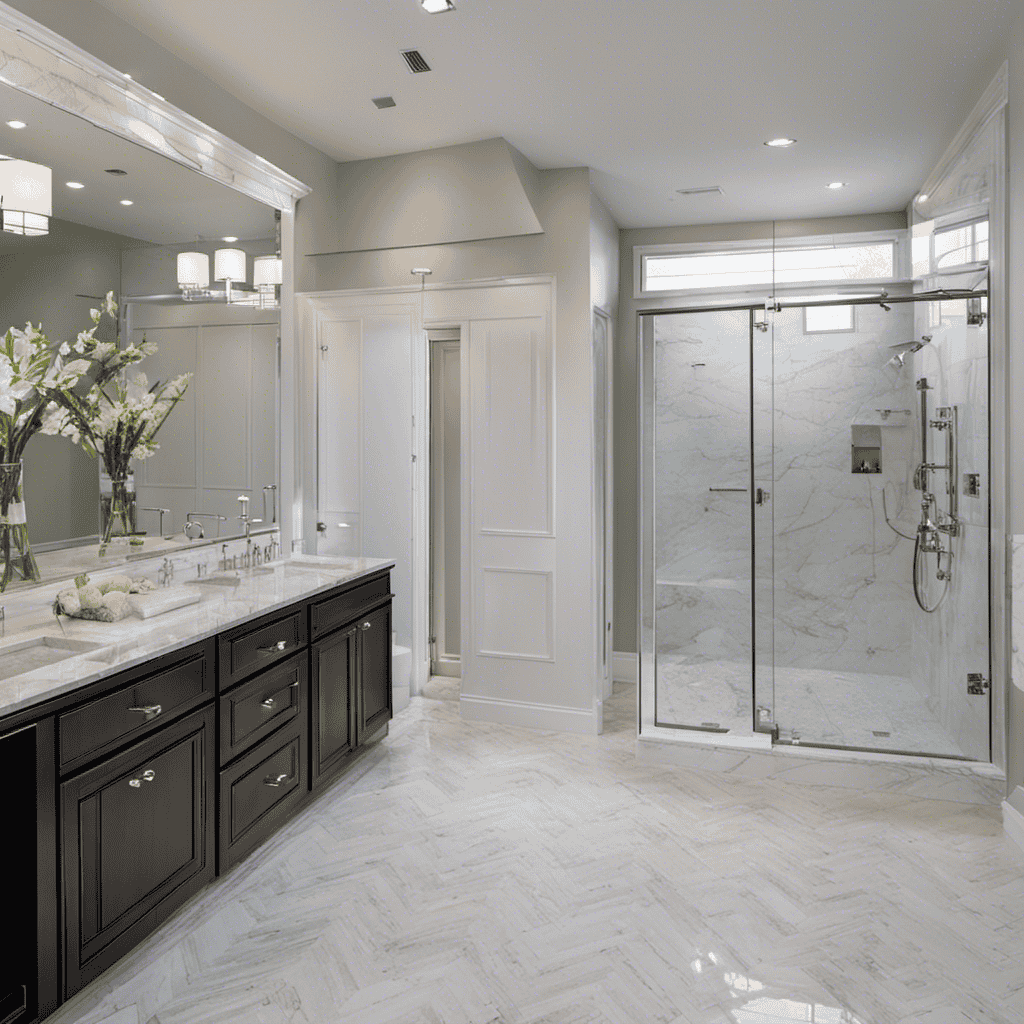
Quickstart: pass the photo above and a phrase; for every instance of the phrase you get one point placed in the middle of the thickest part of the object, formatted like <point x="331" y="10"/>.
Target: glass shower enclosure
<point x="815" y="525"/>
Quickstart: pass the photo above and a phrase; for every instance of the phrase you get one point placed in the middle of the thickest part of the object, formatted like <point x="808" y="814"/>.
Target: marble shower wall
<point x="842" y="575"/>
<point x="954" y="640"/>
<point x="702" y="440"/>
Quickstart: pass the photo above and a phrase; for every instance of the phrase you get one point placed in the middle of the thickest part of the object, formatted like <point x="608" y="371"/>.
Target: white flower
<point x="109" y="305"/>
<point x="94" y="315"/>
<point x="65" y="349"/>
<point x="103" y="350"/>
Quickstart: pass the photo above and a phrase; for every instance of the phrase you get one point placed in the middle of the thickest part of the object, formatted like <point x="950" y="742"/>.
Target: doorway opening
<point x="445" y="503"/>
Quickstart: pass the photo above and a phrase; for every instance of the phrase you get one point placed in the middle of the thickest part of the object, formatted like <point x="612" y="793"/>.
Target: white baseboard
<point x="625" y="666"/>
<point x="1013" y="825"/>
<point x="533" y="716"/>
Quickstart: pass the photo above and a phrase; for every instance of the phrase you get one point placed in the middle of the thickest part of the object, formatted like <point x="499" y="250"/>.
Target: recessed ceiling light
<point x="16" y="124"/>
<point x="780" y="143"/>
<point x="437" y="6"/>
<point x="126" y="202"/>
<point x="230" y="238"/>
<point x="923" y="197"/>
<point x="836" y="184"/>
<point x="126" y="75"/>
<point x="74" y="184"/>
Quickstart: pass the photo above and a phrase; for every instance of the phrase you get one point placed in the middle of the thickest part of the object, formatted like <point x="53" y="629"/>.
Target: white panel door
<point x="365" y="446"/>
<point x="512" y="644"/>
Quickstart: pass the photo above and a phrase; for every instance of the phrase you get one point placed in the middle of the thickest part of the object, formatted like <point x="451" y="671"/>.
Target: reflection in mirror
<point x="121" y="214"/>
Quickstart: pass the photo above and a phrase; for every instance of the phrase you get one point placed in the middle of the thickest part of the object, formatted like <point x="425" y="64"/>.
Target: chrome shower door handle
<point x="761" y="496"/>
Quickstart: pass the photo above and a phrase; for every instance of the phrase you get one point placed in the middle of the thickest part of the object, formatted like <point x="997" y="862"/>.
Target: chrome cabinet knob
<point x="366" y="625"/>
<point x="147" y="776"/>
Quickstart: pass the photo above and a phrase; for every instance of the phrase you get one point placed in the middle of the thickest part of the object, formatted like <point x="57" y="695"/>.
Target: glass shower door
<point x="697" y="415"/>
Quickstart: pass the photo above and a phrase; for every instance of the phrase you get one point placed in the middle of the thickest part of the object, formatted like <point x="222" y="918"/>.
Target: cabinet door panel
<point x="334" y="675"/>
<point x="138" y="842"/>
<point x="150" y="820"/>
<point x="375" y="666"/>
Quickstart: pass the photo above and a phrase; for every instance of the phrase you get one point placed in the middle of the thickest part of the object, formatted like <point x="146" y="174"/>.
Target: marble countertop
<point x="131" y="641"/>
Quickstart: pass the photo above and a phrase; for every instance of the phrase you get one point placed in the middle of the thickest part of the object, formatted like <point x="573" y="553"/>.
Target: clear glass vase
<point x="117" y="511"/>
<point x="15" y="552"/>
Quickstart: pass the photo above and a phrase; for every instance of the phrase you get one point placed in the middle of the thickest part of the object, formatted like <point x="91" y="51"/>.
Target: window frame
<point x="898" y="237"/>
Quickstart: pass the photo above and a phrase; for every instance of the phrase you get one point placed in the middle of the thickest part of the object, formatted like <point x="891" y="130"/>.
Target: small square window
<point x="827" y="319"/>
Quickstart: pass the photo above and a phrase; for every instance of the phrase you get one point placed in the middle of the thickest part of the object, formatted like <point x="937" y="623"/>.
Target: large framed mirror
<point x="126" y="199"/>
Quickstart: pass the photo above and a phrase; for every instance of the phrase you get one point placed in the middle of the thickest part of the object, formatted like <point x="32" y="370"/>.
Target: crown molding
<point x="37" y="61"/>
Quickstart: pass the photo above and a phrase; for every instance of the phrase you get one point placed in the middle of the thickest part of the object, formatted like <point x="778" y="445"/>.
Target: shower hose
<point x="918" y="595"/>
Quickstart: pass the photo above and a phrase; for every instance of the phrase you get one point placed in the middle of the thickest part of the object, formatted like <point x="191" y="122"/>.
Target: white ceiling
<point x="171" y="204"/>
<point x="653" y="95"/>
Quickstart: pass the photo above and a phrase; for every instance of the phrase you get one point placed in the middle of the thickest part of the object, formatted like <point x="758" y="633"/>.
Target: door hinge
<point x="765" y="723"/>
<point x="977" y="684"/>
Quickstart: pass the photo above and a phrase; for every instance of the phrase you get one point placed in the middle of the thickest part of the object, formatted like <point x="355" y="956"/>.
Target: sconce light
<point x="228" y="266"/>
<point x="193" y="274"/>
<point x="26" y="202"/>
<point x="267" y="274"/>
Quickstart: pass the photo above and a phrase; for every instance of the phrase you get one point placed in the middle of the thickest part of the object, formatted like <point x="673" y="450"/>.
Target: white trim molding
<point x="550" y="717"/>
<point x="37" y="61"/>
<point x="625" y="666"/>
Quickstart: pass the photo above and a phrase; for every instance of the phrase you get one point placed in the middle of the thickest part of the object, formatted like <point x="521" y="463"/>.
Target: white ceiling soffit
<point x="653" y="95"/>
<point x="453" y="194"/>
<point x="170" y="203"/>
<point x="37" y="61"/>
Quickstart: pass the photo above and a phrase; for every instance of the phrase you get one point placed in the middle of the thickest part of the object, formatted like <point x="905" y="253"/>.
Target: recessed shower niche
<point x="806" y="573"/>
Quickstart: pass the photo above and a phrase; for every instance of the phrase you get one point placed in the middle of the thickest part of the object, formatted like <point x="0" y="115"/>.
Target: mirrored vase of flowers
<point x="116" y="420"/>
<point x="31" y="372"/>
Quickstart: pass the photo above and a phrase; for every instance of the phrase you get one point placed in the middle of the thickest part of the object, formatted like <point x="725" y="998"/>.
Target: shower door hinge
<point x="765" y="724"/>
<point x="761" y="496"/>
<point x="977" y="684"/>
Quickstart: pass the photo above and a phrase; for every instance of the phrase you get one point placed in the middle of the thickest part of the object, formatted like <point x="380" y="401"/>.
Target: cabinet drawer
<point x="249" y="649"/>
<point x="338" y="609"/>
<point x="132" y="711"/>
<point x="259" y="792"/>
<point x="252" y="711"/>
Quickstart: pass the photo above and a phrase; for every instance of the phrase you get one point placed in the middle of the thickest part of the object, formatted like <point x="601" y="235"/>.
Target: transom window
<point x="759" y="266"/>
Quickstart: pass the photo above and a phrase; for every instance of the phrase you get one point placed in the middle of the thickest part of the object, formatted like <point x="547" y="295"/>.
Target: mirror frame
<point x="40" y="63"/>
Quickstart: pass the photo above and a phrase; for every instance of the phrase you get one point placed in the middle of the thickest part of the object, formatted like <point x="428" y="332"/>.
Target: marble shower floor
<point x="469" y="873"/>
<point x="842" y="708"/>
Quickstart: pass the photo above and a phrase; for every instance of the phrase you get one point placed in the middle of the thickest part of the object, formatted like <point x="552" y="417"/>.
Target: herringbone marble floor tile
<point x="468" y="873"/>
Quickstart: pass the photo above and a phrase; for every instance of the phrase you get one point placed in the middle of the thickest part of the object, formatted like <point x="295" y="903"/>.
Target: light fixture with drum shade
<point x="267" y="274"/>
<point x="193" y="274"/>
<point x="229" y="266"/>
<point x="26" y="197"/>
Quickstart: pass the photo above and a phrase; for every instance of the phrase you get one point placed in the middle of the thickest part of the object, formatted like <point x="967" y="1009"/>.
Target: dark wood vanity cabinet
<point x="30" y="972"/>
<point x="138" y="840"/>
<point x="145" y="784"/>
<point x="350" y="693"/>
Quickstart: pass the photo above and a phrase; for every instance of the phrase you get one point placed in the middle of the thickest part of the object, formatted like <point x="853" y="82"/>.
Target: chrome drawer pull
<point x="150" y="711"/>
<point x="275" y="780"/>
<point x="367" y="625"/>
<point x="281" y="645"/>
<point x="270" y="703"/>
<point x="148" y="776"/>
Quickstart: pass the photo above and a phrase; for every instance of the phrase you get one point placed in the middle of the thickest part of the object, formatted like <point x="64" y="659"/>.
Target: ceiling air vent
<point x="417" y="65"/>
<point x="380" y="102"/>
<point x="702" y="190"/>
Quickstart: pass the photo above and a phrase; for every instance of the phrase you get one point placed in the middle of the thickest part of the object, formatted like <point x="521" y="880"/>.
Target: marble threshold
<point x="756" y="757"/>
<point x="112" y="647"/>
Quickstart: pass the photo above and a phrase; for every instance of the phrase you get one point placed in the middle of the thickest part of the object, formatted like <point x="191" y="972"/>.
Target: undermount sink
<point x="39" y="651"/>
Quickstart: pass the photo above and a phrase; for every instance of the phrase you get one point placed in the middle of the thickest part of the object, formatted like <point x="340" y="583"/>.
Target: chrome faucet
<point x="248" y="522"/>
<point x="163" y="512"/>
<point x="192" y="516"/>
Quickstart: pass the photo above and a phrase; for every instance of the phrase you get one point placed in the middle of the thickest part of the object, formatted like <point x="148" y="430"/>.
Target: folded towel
<point x="156" y="603"/>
